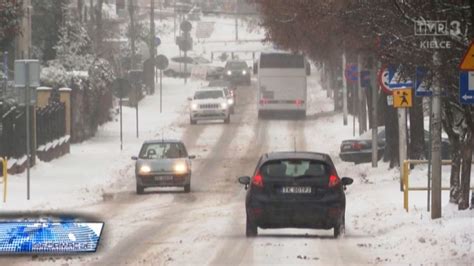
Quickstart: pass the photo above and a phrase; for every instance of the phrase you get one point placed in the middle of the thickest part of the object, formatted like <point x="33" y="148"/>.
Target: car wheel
<point x="260" y="115"/>
<point x="140" y="189"/>
<point x="192" y="121"/>
<point x="232" y="110"/>
<point x="187" y="188"/>
<point x="340" y="228"/>
<point x="251" y="229"/>
<point x="227" y="120"/>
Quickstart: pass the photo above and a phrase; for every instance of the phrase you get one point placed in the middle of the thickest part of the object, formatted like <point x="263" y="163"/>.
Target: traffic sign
<point x="351" y="72"/>
<point x="161" y="62"/>
<point x="157" y="41"/>
<point x="186" y="26"/>
<point x="466" y="87"/>
<point x="121" y="87"/>
<point x="422" y="88"/>
<point x="467" y="62"/>
<point x="383" y="80"/>
<point x="402" y="98"/>
<point x="396" y="80"/>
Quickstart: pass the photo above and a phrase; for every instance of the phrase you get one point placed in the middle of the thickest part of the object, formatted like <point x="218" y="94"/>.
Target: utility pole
<point x="359" y="94"/>
<point x="236" y="21"/>
<point x="152" y="42"/>
<point x="344" y="88"/>
<point x="131" y="11"/>
<point x="436" y="145"/>
<point x="375" y="95"/>
<point x="402" y="140"/>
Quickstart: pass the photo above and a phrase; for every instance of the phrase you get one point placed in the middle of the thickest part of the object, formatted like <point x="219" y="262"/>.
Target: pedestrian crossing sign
<point x="402" y="98"/>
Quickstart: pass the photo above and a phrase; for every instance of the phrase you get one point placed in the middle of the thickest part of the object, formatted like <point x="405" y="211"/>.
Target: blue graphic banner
<point x="31" y="237"/>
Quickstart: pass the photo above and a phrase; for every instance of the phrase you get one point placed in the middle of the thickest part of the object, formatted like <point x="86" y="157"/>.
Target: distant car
<point x="209" y="103"/>
<point x="359" y="150"/>
<point x="237" y="72"/>
<point x="295" y="189"/>
<point x="176" y="67"/>
<point x="163" y="163"/>
<point x="230" y="92"/>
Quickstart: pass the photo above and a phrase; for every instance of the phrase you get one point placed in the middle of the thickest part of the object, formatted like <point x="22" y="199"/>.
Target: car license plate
<point x="163" y="178"/>
<point x="299" y="190"/>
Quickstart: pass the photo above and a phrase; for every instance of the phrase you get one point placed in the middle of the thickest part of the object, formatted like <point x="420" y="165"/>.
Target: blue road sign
<point x="466" y="87"/>
<point x="422" y="88"/>
<point x="351" y="72"/>
<point x="395" y="79"/>
<point x="157" y="41"/>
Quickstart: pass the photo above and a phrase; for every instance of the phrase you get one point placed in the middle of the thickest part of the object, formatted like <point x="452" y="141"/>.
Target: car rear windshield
<point x="209" y="94"/>
<point x="294" y="168"/>
<point x="236" y="65"/>
<point x="162" y="150"/>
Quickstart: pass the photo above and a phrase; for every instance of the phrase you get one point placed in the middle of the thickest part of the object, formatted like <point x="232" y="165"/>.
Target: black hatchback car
<point x="295" y="190"/>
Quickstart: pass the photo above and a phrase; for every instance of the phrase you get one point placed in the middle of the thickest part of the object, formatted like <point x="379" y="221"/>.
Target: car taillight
<point x="263" y="101"/>
<point x="357" y="145"/>
<point x="257" y="180"/>
<point x="298" y="102"/>
<point x="333" y="179"/>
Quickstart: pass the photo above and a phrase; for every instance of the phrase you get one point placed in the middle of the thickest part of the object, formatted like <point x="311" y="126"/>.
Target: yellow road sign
<point x="402" y="98"/>
<point x="467" y="62"/>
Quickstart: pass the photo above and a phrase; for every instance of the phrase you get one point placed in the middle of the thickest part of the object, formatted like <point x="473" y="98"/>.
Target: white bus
<point x="281" y="83"/>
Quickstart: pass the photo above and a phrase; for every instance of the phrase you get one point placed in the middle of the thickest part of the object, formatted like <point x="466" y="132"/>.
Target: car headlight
<point x="180" y="168"/>
<point x="229" y="72"/>
<point x="194" y="106"/>
<point x="145" y="169"/>
<point x="224" y="105"/>
<point x="230" y="101"/>
<point x="244" y="72"/>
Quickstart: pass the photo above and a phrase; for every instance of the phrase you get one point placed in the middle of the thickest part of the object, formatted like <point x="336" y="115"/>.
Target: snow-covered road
<point x="207" y="226"/>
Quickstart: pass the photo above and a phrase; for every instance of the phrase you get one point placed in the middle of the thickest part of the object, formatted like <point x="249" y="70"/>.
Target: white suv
<point x="209" y="103"/>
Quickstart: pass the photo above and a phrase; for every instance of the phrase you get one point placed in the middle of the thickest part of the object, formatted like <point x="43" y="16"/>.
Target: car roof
<point x="153" y="141"/>
<point x="296" y="155"/>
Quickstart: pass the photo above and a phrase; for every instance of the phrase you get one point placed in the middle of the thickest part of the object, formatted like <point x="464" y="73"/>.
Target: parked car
<point x="209" y="103"/>
<point x="163" y="163"/>
<point x="176" y="67"/>
<point x="295" y="189"/>
<point x="230" y="92"/>
<point x="237" y="72"/>
<point x="359" y="150"/>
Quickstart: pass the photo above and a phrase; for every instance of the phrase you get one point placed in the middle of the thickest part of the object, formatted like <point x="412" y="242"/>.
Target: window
<point x="294" y="168"/>
<point x="163" y="151"/>
<point x="236" y="65"/>
<point x="282" y="61"/>
<point x="208" y="94"/>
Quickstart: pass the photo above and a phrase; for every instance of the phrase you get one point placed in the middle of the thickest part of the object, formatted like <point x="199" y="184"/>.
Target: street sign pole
<point x="27" y="114"/>
<point x="344" y="89"/>
<point x="436" y="154"/>
<point x="137" y="94"/>
<point x="429" y="158"/>
<point x="121" y="135"/>
<point x="161" y="91"/>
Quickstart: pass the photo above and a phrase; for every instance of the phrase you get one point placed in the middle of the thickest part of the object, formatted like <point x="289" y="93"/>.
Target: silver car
<point x="163" y="163"/>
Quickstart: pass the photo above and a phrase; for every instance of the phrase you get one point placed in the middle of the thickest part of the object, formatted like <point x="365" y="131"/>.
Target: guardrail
<point x="3" y="163"/>
<point x="405" y="179"/>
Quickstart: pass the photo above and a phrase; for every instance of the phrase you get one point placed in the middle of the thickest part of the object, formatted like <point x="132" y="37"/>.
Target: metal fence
<point x="50" y="122"/>
<point x="50" y="125"/>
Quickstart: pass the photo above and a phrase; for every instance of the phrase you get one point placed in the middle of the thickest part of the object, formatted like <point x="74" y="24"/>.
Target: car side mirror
<point x="134" y="158"/>
<point x="192" y="157"/>
<point x="347" y="181"/>
<point x="244" y="180"/>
